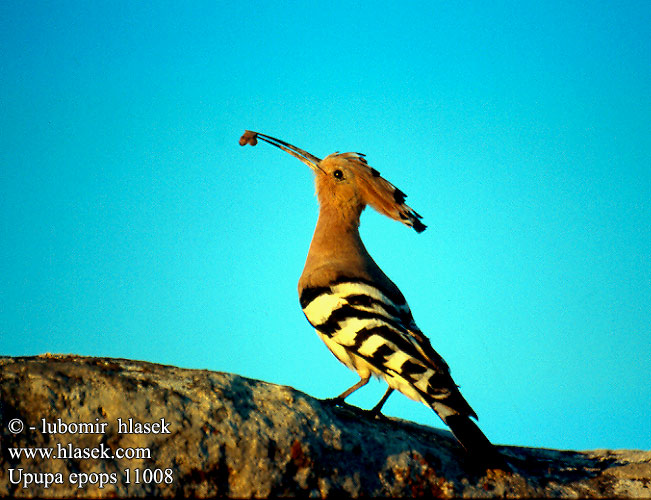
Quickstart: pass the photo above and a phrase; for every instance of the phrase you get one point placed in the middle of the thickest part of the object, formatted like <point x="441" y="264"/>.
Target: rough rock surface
<point x="222" y="434"/>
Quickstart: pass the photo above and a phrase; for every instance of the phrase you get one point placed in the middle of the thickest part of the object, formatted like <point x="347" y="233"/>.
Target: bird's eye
<point x="338" y="174"/>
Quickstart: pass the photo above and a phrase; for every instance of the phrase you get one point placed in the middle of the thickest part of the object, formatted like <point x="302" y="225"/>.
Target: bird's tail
<point x="480" y="450"/>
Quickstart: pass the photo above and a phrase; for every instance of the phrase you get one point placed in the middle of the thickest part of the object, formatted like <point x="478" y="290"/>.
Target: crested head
<point x="346" y="179"/>
<point x="346" y="182"/>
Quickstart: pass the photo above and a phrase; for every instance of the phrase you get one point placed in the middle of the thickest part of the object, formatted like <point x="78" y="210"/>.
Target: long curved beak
<point x="307" y="158"/>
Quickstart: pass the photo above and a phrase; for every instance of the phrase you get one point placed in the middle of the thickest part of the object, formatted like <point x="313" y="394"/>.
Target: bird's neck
<point x="336" y="247"/>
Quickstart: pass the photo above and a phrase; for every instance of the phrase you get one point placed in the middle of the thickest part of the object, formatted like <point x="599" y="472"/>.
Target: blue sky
<point x="133" y="225"/>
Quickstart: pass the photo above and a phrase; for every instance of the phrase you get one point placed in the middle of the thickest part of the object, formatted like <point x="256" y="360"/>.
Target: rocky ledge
<point x="100" y="427"/>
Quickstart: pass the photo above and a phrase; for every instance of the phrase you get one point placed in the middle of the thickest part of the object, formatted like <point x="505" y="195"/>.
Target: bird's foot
<point x="375" y="413"/>
<point x="372" y="414"/>
<point x="339" y="401"/>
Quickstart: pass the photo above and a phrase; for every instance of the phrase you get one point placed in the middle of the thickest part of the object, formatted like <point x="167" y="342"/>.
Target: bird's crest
<point x="381" y="194"/>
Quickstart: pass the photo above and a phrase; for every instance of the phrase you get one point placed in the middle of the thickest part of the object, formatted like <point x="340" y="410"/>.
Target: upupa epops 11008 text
<point x="358" y="312"/>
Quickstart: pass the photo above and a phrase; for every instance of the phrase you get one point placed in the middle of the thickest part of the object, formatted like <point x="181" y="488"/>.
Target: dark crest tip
<point x="418" y="226"/>
<point x="399" y="196"/>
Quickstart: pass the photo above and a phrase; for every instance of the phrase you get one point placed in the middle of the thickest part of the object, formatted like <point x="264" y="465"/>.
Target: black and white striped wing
<point x="373" y="333"/>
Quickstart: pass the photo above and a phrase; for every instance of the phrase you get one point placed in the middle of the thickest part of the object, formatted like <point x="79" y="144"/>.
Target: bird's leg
<point x="339" y="400"/>
<point x="376" y="410"/>
<point x="362" y="382"/>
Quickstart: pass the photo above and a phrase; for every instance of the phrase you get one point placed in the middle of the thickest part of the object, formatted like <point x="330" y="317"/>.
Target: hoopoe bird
<point x="357" y="311"/>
